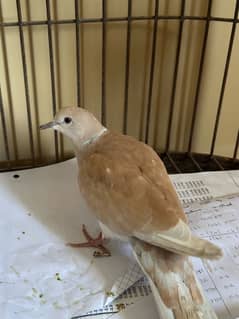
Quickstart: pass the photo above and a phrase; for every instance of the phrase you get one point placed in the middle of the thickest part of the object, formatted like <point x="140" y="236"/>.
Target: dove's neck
<point x="82" y="148"/>
<point x="95" y="137"/>
<point x="89" y="135"/>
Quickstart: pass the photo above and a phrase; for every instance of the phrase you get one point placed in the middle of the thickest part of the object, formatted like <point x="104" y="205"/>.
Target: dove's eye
<point x="67" y="120"/>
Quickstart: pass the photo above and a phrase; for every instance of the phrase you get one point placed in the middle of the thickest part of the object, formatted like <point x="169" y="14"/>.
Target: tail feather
<point x="177" y="292"/>
<point x="194" y="246"/>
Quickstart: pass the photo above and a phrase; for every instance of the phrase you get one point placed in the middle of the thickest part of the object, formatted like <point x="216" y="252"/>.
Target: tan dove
<point x="126" y="185"/>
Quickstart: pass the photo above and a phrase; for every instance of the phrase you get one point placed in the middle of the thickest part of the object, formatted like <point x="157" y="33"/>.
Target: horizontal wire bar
<point x="115" y="19"/>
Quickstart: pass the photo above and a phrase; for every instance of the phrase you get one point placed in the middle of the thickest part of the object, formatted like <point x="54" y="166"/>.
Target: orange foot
<point x="92" y="242"/>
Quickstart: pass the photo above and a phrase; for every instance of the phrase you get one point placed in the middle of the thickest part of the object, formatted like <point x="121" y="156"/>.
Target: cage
<point x="165" y="72"/>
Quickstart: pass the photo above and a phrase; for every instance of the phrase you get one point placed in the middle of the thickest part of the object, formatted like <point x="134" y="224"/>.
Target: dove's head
<point x="77" y="123"/>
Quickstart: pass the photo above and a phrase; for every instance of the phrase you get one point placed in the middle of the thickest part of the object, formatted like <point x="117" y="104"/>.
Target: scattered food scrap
<point x="110" y="293"/>
<point x="57" y="275"/>
<point x="120" y="306"/>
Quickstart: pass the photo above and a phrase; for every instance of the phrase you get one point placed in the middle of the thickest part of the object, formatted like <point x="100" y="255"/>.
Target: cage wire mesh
<point x="165" y="72"/>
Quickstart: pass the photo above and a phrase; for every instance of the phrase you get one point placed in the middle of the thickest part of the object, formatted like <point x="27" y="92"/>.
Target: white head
<point x="77" y="123"/>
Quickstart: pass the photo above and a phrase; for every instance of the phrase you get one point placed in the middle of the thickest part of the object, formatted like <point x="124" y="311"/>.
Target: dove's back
<point x="127" y="185"/>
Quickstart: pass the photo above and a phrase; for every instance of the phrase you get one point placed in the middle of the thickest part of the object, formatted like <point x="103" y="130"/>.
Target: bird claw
<point x="92" y="242"/>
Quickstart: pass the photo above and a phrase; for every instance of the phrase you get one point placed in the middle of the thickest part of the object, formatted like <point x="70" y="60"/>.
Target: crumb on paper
<point x="56" y="305"/>
<point x="23" y="232"/>
<point x="41" y="295"/>
<point x="120" y="306"/>
<point x="29" y="298"/>
<point x="34" y="290"/>
<point x="57" y="275"/>
<point x="14" y="270"/>
<point x="110" y="293"/>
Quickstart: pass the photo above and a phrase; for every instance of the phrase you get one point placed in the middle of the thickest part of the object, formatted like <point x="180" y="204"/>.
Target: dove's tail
<point x="178" y="293"/>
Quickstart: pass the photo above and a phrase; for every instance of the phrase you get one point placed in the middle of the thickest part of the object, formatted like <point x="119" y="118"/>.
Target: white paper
<point x="129" y="297"/>
<point x="218" y="221"/>
<point x="40" y="277"/>
<point x="204" y="186"/>
<point x="42" y="210"/>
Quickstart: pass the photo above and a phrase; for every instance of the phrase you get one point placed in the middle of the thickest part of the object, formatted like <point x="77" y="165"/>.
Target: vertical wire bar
<point x="8" y="87"/>
<point x="78" y="70"/>
<point x="4" y="128"/>
<point x="236" y="147"/>
<point x="152" y="67"/>
<point x="103" y="91"/>
<point x="24" y="65"/>
<point x="52" y="72"/>
<point x="55" y="30"/>
<point x="224" y="81"/>
<point x="201" y="65"/>
<point x="33" y="76"/>
<point x="172" y="100"/>
<point x="127" y="64"/>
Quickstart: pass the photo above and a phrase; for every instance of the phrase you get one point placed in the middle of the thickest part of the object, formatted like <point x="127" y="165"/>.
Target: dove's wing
<point x="127" y="185"/>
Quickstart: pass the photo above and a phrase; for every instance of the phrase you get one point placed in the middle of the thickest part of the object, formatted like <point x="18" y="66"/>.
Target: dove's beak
<point x="48" y="125"/>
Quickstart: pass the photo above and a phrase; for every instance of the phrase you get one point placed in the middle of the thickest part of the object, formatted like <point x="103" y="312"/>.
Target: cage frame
<point x="175" y="162"/>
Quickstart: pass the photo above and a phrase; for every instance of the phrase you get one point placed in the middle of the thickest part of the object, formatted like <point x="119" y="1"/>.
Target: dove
<point x="126" y="185"/>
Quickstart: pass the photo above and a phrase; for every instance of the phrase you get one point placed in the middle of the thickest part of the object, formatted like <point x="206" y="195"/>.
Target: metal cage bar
<point x="236" y="147"/>
<point x="172" y="100"/>
<point x="224" y="80"/>
<point x="201" y="65"/>
<point x="152" y="67"/>
<point x="52" y="73"/>
<point x="8" y="88"/>
<point x="24" y="66"/>
<point x="78" y="70"/>
<point x="127" y="64"/>
<point x="4" y="128"/>
<point x="103" y="84"/>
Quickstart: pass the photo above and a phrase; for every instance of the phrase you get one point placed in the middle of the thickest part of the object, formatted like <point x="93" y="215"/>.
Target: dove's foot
<point x="93" y="242"/>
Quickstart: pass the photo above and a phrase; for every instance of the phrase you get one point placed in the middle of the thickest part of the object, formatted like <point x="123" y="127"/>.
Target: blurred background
<point x="165" y="72"/>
